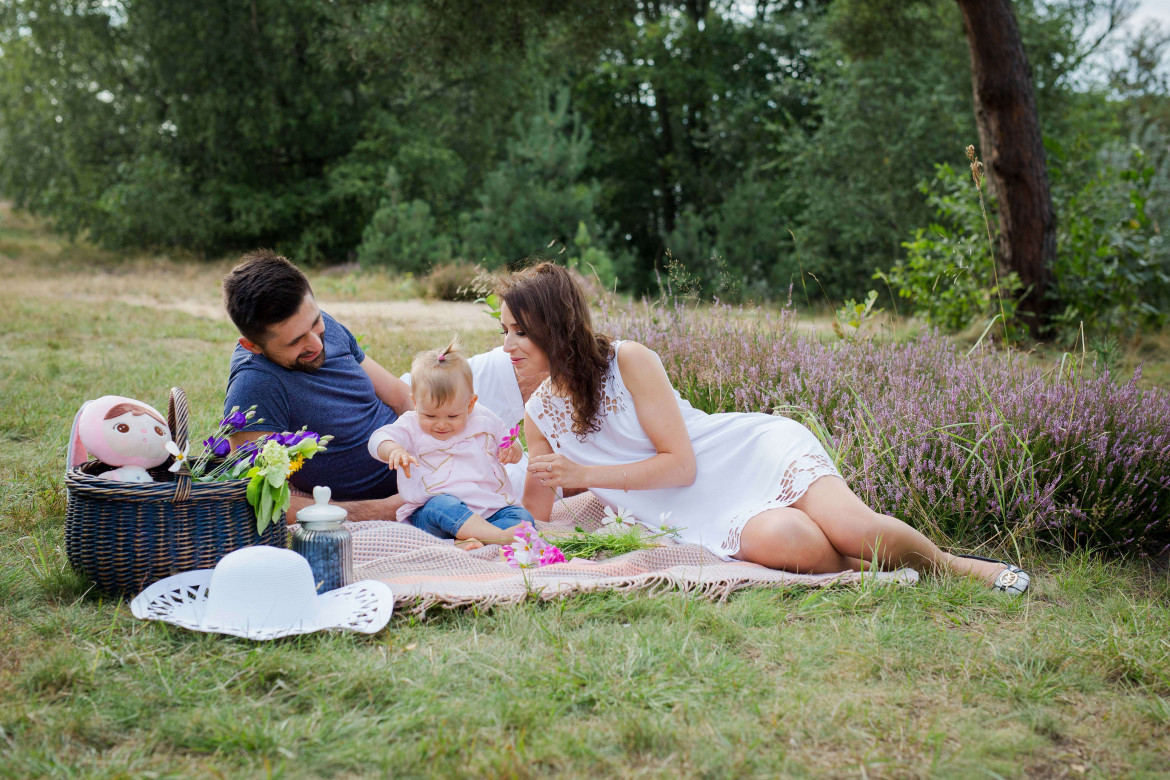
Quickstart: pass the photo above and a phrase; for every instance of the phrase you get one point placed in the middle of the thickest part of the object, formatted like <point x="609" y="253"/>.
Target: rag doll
<point x="119" y="432"/>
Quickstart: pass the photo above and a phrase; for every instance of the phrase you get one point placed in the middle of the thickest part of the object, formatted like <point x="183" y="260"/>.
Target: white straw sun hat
<point x="263" y="593"/>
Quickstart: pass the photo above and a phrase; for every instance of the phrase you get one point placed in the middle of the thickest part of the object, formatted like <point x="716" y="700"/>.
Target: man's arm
<point x="390" y="390"/>
<point x="358" y="511"/>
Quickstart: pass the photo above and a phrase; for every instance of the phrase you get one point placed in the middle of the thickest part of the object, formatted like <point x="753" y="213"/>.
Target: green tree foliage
<point x="537" y="195"/>
<point x="221" y="118"/>
<point x="1112" y="268"/>
<point x="895" y="99"/>
<point x="220" y="125"/>
<point x="682" y="110"/>
<point x="1109" y="273"/>
<point x="413" y="134"/>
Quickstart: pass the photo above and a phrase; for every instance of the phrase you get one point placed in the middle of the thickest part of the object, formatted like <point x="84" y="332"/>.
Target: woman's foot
<point x="1000" y="575"/>
<point x="468" y="544"/>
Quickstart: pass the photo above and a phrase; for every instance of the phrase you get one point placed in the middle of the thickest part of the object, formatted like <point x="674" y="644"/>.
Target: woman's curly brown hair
<point x="551" y="309"/>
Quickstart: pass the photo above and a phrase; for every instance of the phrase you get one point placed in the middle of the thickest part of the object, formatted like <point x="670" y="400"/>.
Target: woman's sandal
<point x="1012" y="579"/>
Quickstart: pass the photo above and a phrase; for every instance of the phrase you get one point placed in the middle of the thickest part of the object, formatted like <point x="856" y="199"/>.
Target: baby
<point x="450" y="453"/>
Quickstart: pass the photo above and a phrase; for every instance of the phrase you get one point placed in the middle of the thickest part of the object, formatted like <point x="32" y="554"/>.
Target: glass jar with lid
<point x="324" y="542"/>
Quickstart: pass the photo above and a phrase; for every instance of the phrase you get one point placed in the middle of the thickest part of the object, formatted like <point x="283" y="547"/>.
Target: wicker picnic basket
<point x="124" y="536"/>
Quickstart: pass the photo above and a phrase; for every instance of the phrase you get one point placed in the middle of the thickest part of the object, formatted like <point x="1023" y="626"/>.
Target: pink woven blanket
<point x="423" y="571"/>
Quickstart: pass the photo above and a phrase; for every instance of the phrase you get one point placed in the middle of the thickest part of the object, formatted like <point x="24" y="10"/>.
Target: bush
<point x="969" y="448"/>
<point x="150" y="205"/>
<point x="1110" y="271"/>
<point x="948" y="273"/>
<point x="1109" y="276"/>
<point x="403" y="236"/>
<point x="457" y="281"/>
<point x="537" y="196"/>
<point x="595" y="261"/>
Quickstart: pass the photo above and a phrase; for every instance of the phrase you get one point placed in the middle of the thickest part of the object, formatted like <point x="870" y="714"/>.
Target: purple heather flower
<point x="969" y="445"/>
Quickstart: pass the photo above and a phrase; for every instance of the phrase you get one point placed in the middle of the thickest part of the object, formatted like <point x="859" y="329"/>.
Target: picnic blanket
<point x="425" y="572"/>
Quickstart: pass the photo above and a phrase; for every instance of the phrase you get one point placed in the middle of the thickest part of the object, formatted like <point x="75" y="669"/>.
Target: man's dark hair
<point x="263" y="290"/>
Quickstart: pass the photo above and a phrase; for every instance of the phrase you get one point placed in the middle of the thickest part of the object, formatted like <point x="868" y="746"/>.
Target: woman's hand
<point x="558" y="471"/>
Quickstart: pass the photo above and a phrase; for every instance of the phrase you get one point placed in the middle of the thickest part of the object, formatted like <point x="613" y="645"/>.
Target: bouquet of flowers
<point x="619" y="534"/>
<point x="267" y="462"/>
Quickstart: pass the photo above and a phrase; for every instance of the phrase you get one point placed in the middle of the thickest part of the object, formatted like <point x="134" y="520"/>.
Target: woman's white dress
<point x="746" y="462"/>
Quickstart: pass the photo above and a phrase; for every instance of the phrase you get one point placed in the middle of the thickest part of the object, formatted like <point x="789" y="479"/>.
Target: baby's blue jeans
<point x="444" y="515"/>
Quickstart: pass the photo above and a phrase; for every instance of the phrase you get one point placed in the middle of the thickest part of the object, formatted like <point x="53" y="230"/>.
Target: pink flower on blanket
<point x="529" y="551"/>
<point x="551" y="554"/>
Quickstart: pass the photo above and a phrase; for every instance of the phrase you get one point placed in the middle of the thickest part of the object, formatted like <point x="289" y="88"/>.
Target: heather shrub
<point x="973" y="449"/>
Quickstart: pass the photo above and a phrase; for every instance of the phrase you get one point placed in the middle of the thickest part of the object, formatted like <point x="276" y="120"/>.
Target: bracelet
<point x="625" y="482"/>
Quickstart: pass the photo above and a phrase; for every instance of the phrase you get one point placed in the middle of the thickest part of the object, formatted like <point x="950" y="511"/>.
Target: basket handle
<point x="178" y="418"/>
<point x="75" y="454"/>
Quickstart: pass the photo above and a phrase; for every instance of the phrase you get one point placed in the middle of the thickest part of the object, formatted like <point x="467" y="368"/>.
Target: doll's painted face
<point x="132" y="432"/>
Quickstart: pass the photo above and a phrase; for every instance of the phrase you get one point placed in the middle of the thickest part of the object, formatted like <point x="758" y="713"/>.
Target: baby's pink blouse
<point x="466" y="466"/>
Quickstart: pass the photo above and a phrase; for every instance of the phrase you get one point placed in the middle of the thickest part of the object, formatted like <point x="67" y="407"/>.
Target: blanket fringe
<point x="649" y="585"/>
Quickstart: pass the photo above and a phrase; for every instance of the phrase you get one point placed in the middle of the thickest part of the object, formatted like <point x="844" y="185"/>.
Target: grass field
<point x="939" y="680"/>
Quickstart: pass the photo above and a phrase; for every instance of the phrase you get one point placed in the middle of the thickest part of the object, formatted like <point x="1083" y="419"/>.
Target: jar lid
<point x="321" y="511"/>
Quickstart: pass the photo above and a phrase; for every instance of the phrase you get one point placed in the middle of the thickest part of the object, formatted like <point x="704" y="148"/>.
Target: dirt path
<point x="195" y="291"/>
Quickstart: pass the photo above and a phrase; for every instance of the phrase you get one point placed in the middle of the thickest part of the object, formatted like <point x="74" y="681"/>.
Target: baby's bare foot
<point x="469" y="544"/>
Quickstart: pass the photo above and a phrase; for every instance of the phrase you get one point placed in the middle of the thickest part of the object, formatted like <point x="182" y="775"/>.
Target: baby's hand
<point x="398" y="458"/>
<point x="512" y="453"/>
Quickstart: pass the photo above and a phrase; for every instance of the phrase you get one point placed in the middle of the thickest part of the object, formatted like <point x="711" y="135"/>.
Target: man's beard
<point x="309" y="366"/>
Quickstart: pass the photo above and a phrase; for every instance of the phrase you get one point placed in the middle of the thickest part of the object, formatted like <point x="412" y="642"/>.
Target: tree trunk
<point x="1010" y="139"/>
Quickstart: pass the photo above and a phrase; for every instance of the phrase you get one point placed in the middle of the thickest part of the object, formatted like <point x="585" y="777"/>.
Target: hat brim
<point x="181" y="600"/>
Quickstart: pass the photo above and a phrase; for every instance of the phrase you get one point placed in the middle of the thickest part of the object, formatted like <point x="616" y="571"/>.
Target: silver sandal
<point x="1012" y="579"/>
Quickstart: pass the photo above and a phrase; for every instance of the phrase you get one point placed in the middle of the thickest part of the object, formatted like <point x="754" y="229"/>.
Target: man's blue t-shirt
<point x="338" y="398"/>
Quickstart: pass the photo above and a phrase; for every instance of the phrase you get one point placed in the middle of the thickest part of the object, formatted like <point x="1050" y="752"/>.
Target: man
<point x="300" y="367"/>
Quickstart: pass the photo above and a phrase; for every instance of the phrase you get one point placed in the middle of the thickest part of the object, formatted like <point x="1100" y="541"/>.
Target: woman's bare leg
<point x="788" y="539"/>
<point x="857" y="531"/>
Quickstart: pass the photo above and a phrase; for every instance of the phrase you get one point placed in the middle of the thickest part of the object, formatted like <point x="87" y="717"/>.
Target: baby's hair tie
<point x="442" y="357"/>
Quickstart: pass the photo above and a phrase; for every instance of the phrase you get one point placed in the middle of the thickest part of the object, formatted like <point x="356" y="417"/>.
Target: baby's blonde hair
<point x="439" y="374"/>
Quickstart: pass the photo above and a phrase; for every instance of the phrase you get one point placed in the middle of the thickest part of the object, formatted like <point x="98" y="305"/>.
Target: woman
<point x="755" y="487"/>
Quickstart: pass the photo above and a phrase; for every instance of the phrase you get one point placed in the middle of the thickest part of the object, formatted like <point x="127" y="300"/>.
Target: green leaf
<point x="253" y="494"/>
<point x="265" y="513"/>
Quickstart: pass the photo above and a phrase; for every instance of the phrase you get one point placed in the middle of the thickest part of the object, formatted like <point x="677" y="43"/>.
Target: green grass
<point x="943" y="679"/>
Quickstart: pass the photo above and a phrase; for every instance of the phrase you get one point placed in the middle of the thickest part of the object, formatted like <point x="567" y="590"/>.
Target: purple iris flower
<point x="218" y="447"/>
<point x="249" y="450"/>
<point x="287" y="439"/>
<point x="235" y="420"/>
